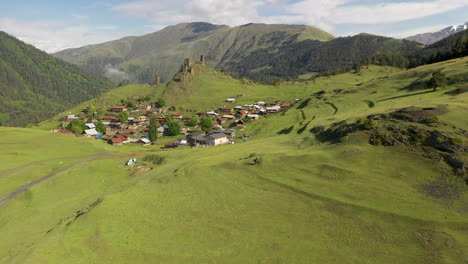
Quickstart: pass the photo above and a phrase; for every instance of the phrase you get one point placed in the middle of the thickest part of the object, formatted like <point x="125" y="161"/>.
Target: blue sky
<point x="54" y="25"/>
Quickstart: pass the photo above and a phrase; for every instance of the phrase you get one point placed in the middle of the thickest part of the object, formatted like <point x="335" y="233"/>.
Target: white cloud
<point x="325" y="14"/>
<point x="233" y="13"/>
<point x="415" y="31"/>
<point x="52" y="36"/>
<point x="393" y="12"/>
<point x="401" y="33"/>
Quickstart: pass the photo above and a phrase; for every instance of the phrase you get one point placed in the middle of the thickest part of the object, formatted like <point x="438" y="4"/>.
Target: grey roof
<point x="217" y="135"/>
<point x="198" y="137"/>
<point x="197" y="133"/>
<point x="91" y="132"/>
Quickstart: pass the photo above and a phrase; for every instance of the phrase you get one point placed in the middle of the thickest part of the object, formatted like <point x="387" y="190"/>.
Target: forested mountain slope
<point x="138" y="59"/>
<point x="258" y="51"/>
<point x="295" y="58"/>
<point x="34" y="85"/>
<point x="453" y="46"/>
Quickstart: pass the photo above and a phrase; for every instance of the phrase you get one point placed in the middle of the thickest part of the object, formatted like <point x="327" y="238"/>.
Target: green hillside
<point x="34" y="85"/>
<point x="258" y="51"/>
<point x="291" y="60"/>
<point x="365" y="168"/>
<point x="161" y="52"/>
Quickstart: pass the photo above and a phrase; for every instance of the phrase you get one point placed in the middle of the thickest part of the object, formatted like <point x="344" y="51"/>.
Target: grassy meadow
<point x="306" y="201"/>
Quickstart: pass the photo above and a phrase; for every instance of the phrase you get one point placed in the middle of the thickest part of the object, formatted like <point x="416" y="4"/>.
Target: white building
<point x="91" y="132"/>
<point x="90" y="125"/>
<point x="217" y="139"/>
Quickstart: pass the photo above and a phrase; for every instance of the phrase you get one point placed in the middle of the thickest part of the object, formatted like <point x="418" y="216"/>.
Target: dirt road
<point x="29" y="185"/>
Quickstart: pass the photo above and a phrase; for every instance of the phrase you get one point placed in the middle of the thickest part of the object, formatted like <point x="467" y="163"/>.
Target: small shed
<point x="144" y="141"/>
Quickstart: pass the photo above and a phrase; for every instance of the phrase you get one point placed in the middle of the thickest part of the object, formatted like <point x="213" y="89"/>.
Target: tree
<point x="77" y="126"/>
<point x="357" y="68"/>
<point x="153" y="129"/>
<point x="123" y="117"/>
<point x="101" y="128"/>
<point x="161" y="103"/>
<point x="206" y="124"/>
<point x="192" y="122"/>
<point x="173" y="127"/>
<point x="131" y="104"/>
<point x="438" y="80"/>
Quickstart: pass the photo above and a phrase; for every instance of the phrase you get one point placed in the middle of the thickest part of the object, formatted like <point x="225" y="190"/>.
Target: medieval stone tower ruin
<point x="157" y="80"/>
<point x="187" y="68"/>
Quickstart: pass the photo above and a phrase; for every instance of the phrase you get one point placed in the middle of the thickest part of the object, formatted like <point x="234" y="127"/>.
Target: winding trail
<point x="31" y="184"/>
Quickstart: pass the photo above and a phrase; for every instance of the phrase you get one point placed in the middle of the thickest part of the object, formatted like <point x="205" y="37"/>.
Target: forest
<point x="34" y="85"/>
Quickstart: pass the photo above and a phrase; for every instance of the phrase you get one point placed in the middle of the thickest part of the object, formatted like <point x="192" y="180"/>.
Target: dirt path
<point x="29" y="185"/>
<point x="22" y="167"/>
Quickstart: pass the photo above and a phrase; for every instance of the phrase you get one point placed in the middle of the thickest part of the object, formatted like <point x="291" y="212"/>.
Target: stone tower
<point x="157" y="80"/>
<point x="203" y="59"/>
<point x="187" y="63"/>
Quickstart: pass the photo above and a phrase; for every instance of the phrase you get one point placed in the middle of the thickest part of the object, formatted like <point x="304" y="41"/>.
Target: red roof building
<point x="128" y="131"/>
<point x="243" y="112"/>
<point x="118" y="109"/>
<point x="115" y="141"/>
<point x="65" y="131"/>
<point x="109" y="118"/>
<point x="177" y="116"/>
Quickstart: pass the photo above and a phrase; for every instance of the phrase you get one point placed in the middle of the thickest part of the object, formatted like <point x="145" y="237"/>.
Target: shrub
<point x="206" y="124"/>
<point x="192" y="122"/>
<point x="344" y="139"/>
<point x="161" y="103"/>
<point x="458" y="141"/>
<point x="123" y="117"/>
<point x="431" y="120"/>
<point x="153" y="158"/>
<point x="174" y="127"/>
<point x="101" y="128"/>
<point x="367" y="123"/>
<point x="77" y="126"/>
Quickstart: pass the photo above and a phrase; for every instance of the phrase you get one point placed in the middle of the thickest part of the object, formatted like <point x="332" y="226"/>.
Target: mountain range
<point x="36" y="85"/>
<point x="258" y="51"/>
<point x="432" y="37"/>
<point x="138" y="59"/>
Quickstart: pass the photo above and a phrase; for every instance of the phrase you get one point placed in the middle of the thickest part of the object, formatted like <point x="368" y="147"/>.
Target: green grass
<point x="307" y="202"/>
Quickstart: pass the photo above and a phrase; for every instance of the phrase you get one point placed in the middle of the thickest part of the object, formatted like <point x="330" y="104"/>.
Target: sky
<point x="54" y="25"/>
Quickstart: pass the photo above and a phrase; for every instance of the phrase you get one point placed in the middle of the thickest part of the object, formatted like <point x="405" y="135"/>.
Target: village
<point x="130" y="121"/>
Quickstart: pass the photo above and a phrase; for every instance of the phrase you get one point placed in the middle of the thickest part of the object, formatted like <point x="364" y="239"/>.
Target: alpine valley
<point x="260" y="143"/>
